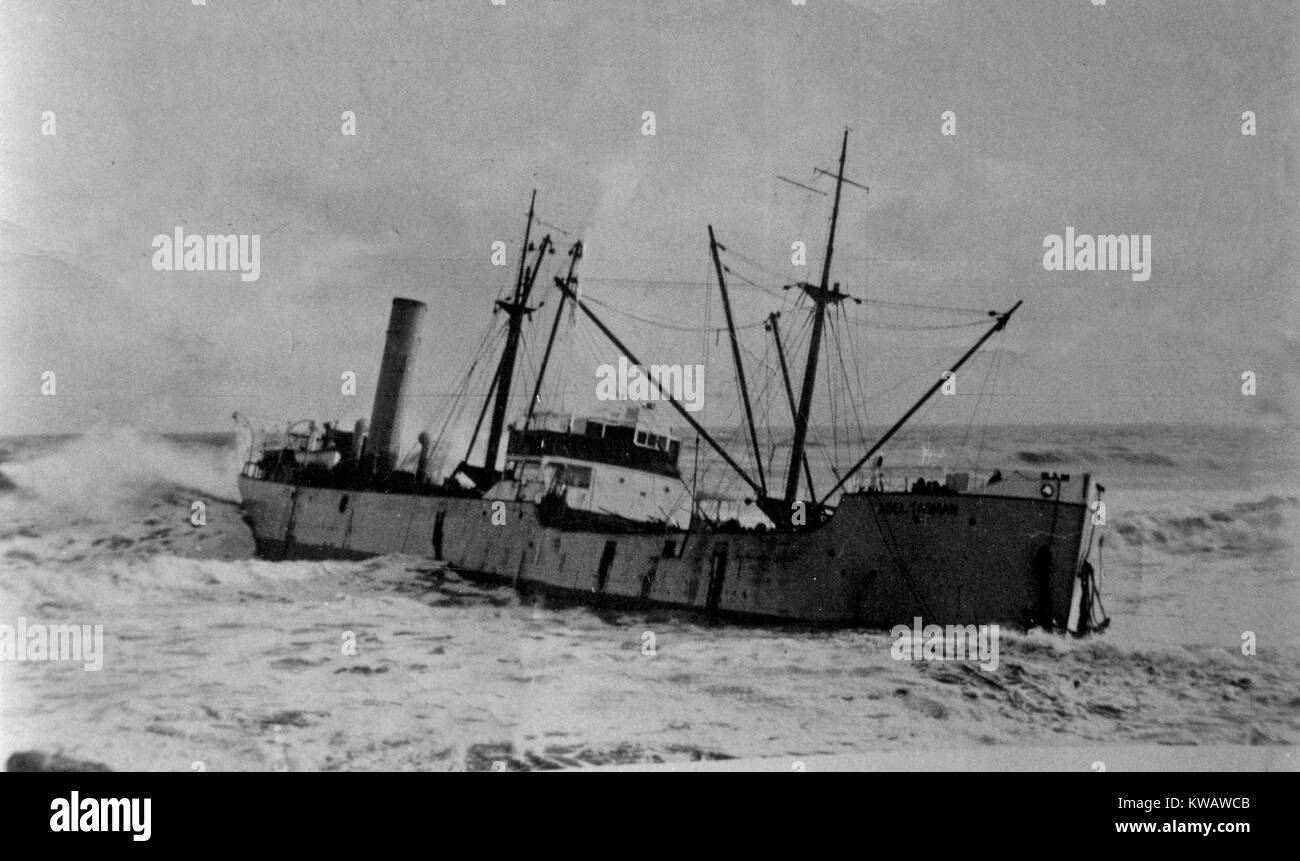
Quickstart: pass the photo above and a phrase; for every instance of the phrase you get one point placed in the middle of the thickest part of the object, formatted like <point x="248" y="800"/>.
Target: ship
<point x="599" y="509"/>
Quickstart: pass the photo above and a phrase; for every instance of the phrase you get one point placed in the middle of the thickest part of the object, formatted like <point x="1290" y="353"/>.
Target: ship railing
<point x="259" y="436"/>
<point x="911" y="479"/>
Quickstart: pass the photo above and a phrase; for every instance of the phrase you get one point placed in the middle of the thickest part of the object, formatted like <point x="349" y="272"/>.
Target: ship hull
<point x="882" y="559"/>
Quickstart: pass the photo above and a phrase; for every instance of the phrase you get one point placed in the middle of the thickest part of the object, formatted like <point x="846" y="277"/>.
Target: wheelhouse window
<point x="618" y="433"/>
<point x="645" y="439"/>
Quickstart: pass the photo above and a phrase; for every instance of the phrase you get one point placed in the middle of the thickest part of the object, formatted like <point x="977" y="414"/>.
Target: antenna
<point x="846" y="180"/>
<point x="559" y="230"/>
<point x="801" y="185"/>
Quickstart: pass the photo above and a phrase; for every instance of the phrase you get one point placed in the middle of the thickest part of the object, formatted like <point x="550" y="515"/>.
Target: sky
<point x="227" y="118"/>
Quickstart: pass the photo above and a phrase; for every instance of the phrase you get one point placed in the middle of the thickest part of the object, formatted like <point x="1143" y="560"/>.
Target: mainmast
<point x="822" y="295"/>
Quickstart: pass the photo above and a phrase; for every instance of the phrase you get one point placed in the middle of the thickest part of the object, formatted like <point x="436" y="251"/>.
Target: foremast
<point x="516" y="309"/>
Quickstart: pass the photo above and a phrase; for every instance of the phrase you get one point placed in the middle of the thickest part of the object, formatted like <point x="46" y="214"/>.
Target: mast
<point x="821" y="295"/>
<point x="575" y="254"/>
<point x="714" y="245"/>
<point x="478" y="425"/>
<point x="789" y="390"/>
<point x="516" y="308"/>
<point x="997" y="327"/>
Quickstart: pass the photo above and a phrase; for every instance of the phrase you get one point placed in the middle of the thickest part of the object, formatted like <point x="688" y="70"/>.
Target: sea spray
<point x="100" y="474"/>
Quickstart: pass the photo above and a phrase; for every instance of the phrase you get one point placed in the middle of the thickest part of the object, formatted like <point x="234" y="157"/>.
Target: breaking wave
<point x="104" y="474"/>
<point x="1252" y="526"/>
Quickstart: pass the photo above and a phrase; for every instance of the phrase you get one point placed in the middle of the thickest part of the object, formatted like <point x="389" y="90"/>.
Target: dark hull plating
<point x="882" y="559"/>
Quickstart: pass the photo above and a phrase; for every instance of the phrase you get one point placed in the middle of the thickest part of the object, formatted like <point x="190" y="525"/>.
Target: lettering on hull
<point x="916" y="509"/>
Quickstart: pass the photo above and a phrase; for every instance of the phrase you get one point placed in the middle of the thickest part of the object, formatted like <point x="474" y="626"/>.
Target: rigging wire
<point x="947" y="308"/>
<point x="730" y="271"/>
<point x="974" y="415"/>
<point x="859" y="368"/>
<point x="767" y="270"/>
<point x="900" y="327"/>
<point x="784" y="278"/>
<point x="662" y="325"/>
<point x="848" y="384"/>
<point x="460" y="394"/>
<point x="997" y="366"/>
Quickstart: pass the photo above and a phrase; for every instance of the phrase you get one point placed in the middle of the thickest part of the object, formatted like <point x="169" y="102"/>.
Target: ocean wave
<point x="1054" y="457"/>
<point x="1144" y="458"/>
<point x="108" y="474"/>
<point x="1251" y="526"/>
<point x="1042" y="457"/>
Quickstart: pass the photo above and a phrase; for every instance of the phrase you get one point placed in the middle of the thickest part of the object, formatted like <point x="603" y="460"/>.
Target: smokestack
<point x="384" y="447"/>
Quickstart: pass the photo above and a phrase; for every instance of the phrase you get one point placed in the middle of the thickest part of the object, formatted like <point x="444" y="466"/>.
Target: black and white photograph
<point x="662" y="385"/>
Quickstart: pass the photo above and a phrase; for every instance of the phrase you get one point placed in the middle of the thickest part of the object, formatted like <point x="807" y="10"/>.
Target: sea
<point x="215" y="660"/>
